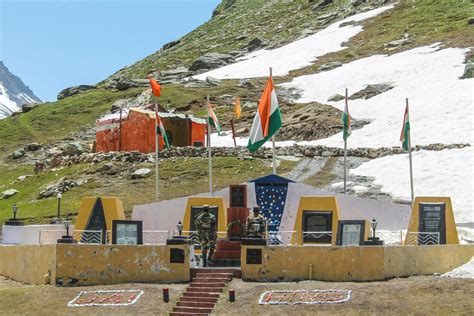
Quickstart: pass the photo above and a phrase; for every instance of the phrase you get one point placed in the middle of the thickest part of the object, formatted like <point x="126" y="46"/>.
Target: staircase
<point x="227" y="254"/>
<point x="202" y="293"/>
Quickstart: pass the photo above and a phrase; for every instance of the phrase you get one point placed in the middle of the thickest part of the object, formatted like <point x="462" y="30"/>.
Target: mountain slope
<point x="13" y="92"/>
<point x="386" y="40"/>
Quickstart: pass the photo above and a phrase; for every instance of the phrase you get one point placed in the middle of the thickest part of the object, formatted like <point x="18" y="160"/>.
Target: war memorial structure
<point x="309" y="234"/>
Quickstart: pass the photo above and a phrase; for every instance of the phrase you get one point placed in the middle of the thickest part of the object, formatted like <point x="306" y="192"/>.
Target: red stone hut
<point x="133" y="130"/>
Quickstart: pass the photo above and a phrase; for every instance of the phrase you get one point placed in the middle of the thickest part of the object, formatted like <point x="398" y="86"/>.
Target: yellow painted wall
<point x="113" y="210"/>
<point x="211" y="201"/>
<point x="451" y="230"/>
<point x="31" y="264"/>
<point x="115" y="264"/>
<point x="92" y="264"/>
<point x="316" y="203"/>
<point x="353" y="263"/>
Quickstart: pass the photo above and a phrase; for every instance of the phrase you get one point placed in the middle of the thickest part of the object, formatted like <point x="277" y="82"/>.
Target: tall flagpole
<point x="157" y="174"/>
<point x="345" y="155"/>
<point x="409" y="156"/>
<point x="274" y="165"/>
<point x="209" y="146"/>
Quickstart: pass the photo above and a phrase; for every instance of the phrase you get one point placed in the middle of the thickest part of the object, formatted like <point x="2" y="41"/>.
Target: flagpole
<point x="233" y="131"/>
<point x="209" y="146"/>
<point x="345" y="155"/>
<point x="157" y="174"/>
<point x="409" y="156"/>
<point x="273" y="146"/>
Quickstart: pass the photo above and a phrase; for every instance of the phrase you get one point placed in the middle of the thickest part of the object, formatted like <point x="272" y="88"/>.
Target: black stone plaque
<point x="317" y="221"/>
<point x="238" y="195"/>
<point x="127" y="232"/>
<point x="254" y="256"/>
<point x="432" y="219"/>
<point x="350" y="233"/>
<point x="96" y="221"/>
<point x="177" y="255"/>
<point x="196" y="210"/>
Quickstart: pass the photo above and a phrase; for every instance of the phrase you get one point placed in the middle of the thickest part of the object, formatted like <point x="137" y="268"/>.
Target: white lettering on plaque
<point x="351" y="234"/>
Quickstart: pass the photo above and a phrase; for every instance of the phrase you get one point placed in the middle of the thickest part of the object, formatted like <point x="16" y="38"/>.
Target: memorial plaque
<point x="238" y="195"/>
<point x="350" y="233"/>
<point x="254" y="256"/>
<point x="176" y="255"/>
<point x="314" y="222"/>
<point x="432" y="219"/>
<point x="127" y="232"/>
<point x="196" y="210"/>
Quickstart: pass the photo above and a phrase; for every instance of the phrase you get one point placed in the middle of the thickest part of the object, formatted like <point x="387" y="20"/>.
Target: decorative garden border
<point x="135" y="295"/>
<point x="266" y="297"/>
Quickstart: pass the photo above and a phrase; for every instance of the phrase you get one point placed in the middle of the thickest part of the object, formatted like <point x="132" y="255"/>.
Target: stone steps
<point x="201" y="295"/>
<point x="199" y="310"/>
<point x="195" y="304"/>
<point x="198" y="299"/>
<point x="187" y="314"/>
<point x="207" y="284"/>
<point x="203" y="292"/>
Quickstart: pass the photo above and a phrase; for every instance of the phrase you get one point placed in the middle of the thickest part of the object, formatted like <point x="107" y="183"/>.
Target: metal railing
<point x="194" y="236"/>
<point x="155" y="237"/>
<point x="422" y="238"/>
<point x="390" y="238"/>
<point x="282" y="238"/>
<point x="50" y="236"/>
<point x="89" y="236"/>
<point x="319" y="237"/>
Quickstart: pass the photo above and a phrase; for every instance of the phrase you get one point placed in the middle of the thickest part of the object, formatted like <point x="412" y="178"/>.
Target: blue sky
<point x="54" y="44"/>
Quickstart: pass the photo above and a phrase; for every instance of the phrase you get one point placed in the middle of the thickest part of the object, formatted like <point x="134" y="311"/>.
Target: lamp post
<point x="14" y="221"/>
<point x="59" y="196"/>
<point x="373" y="225"/>
<point x="180" y="228"/>
<point x="15" y="209"/>
<point x="67" y="224"/>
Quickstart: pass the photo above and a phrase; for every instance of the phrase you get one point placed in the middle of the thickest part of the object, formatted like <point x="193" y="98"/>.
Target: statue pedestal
<point x="67" y="240"/>
<point x="14" y="222"/>
<point x="373" y="242"/>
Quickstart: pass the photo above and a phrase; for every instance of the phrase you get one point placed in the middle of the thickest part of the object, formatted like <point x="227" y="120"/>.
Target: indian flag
<point x="405" y="134"/>
<point x="161" y="131"/>
<point x="346" y="122"/>
<point x="212" y="119"/>
<point x="267" y="120"/>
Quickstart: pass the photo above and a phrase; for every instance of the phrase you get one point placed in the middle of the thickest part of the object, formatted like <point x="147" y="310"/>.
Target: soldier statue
<point x="256" y="224"/>
<point x="206" y="227"/>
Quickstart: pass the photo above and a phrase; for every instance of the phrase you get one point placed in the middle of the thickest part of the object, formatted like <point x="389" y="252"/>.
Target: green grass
<point x="275" y="22"/>
<point x="29" y="207"/>
<point x="426" y="21"/>
<point x="54" y="121"/>
<point x="178" y="177"/>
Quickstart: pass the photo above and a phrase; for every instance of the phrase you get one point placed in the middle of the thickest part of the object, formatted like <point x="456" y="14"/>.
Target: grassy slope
<point x="275" y="22"/>
<point x="54" y="121"/>
<point x="426" y="21"/>
<point x="179" y="177"/>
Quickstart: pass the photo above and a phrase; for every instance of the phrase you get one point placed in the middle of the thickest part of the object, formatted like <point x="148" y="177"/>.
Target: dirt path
<point x="415" y="295"/>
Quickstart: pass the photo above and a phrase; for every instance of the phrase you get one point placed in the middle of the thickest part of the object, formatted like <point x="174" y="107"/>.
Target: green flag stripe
<point x="346" y="132"/>
<point x="275" y="124"/>
<point x="406" y="135"/>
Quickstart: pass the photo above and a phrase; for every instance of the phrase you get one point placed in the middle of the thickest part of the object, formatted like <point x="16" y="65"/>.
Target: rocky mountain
<point x="13" y="93"/>
<point x="382" y="51"/>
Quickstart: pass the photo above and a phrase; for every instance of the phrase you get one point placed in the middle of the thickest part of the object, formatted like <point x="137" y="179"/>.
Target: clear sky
<point x="54" y="44"/>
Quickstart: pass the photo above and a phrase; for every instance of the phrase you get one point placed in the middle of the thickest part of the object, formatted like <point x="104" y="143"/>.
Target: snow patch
<point x="436" y="173"/>
<point x="441" y="108"/>
<point x="466" y="271"/>
<point x="297" y="54"/>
